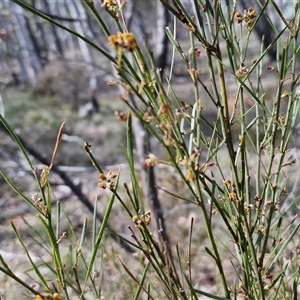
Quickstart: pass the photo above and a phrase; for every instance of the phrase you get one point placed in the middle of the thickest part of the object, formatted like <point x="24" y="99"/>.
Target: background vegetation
<point x="200" y="201"/>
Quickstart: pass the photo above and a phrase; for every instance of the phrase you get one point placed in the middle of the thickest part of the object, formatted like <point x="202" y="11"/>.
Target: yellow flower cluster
<point x="121" y="116"/>
<point x="248" y="16"/>
<point x="232" y="195"/>
<point x="121" y="40"/>
<point x="111" y="6"/>
<point x="109" y="3"/>
<point x="107" y="180"/>
<point x="142" y="218"/>
<point x="55" y="296"/>
<point x="38" y="202"/>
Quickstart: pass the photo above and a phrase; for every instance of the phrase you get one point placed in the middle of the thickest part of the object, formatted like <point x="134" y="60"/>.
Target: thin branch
<point x="76" y="189"/>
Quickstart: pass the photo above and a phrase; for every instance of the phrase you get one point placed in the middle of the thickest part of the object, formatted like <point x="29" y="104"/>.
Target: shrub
<point x="230" y="170"/>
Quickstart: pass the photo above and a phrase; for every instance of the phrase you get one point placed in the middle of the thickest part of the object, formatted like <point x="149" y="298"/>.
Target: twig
<point x="74" y="188"/>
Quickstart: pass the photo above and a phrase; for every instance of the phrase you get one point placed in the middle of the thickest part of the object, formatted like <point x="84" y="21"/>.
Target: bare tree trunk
<point x="77" y="11"/>
<point x="57" y="43"/>
<point x="27" y="58"/>
<point x="41" y="52"/>
<point x="67" y="40"/>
